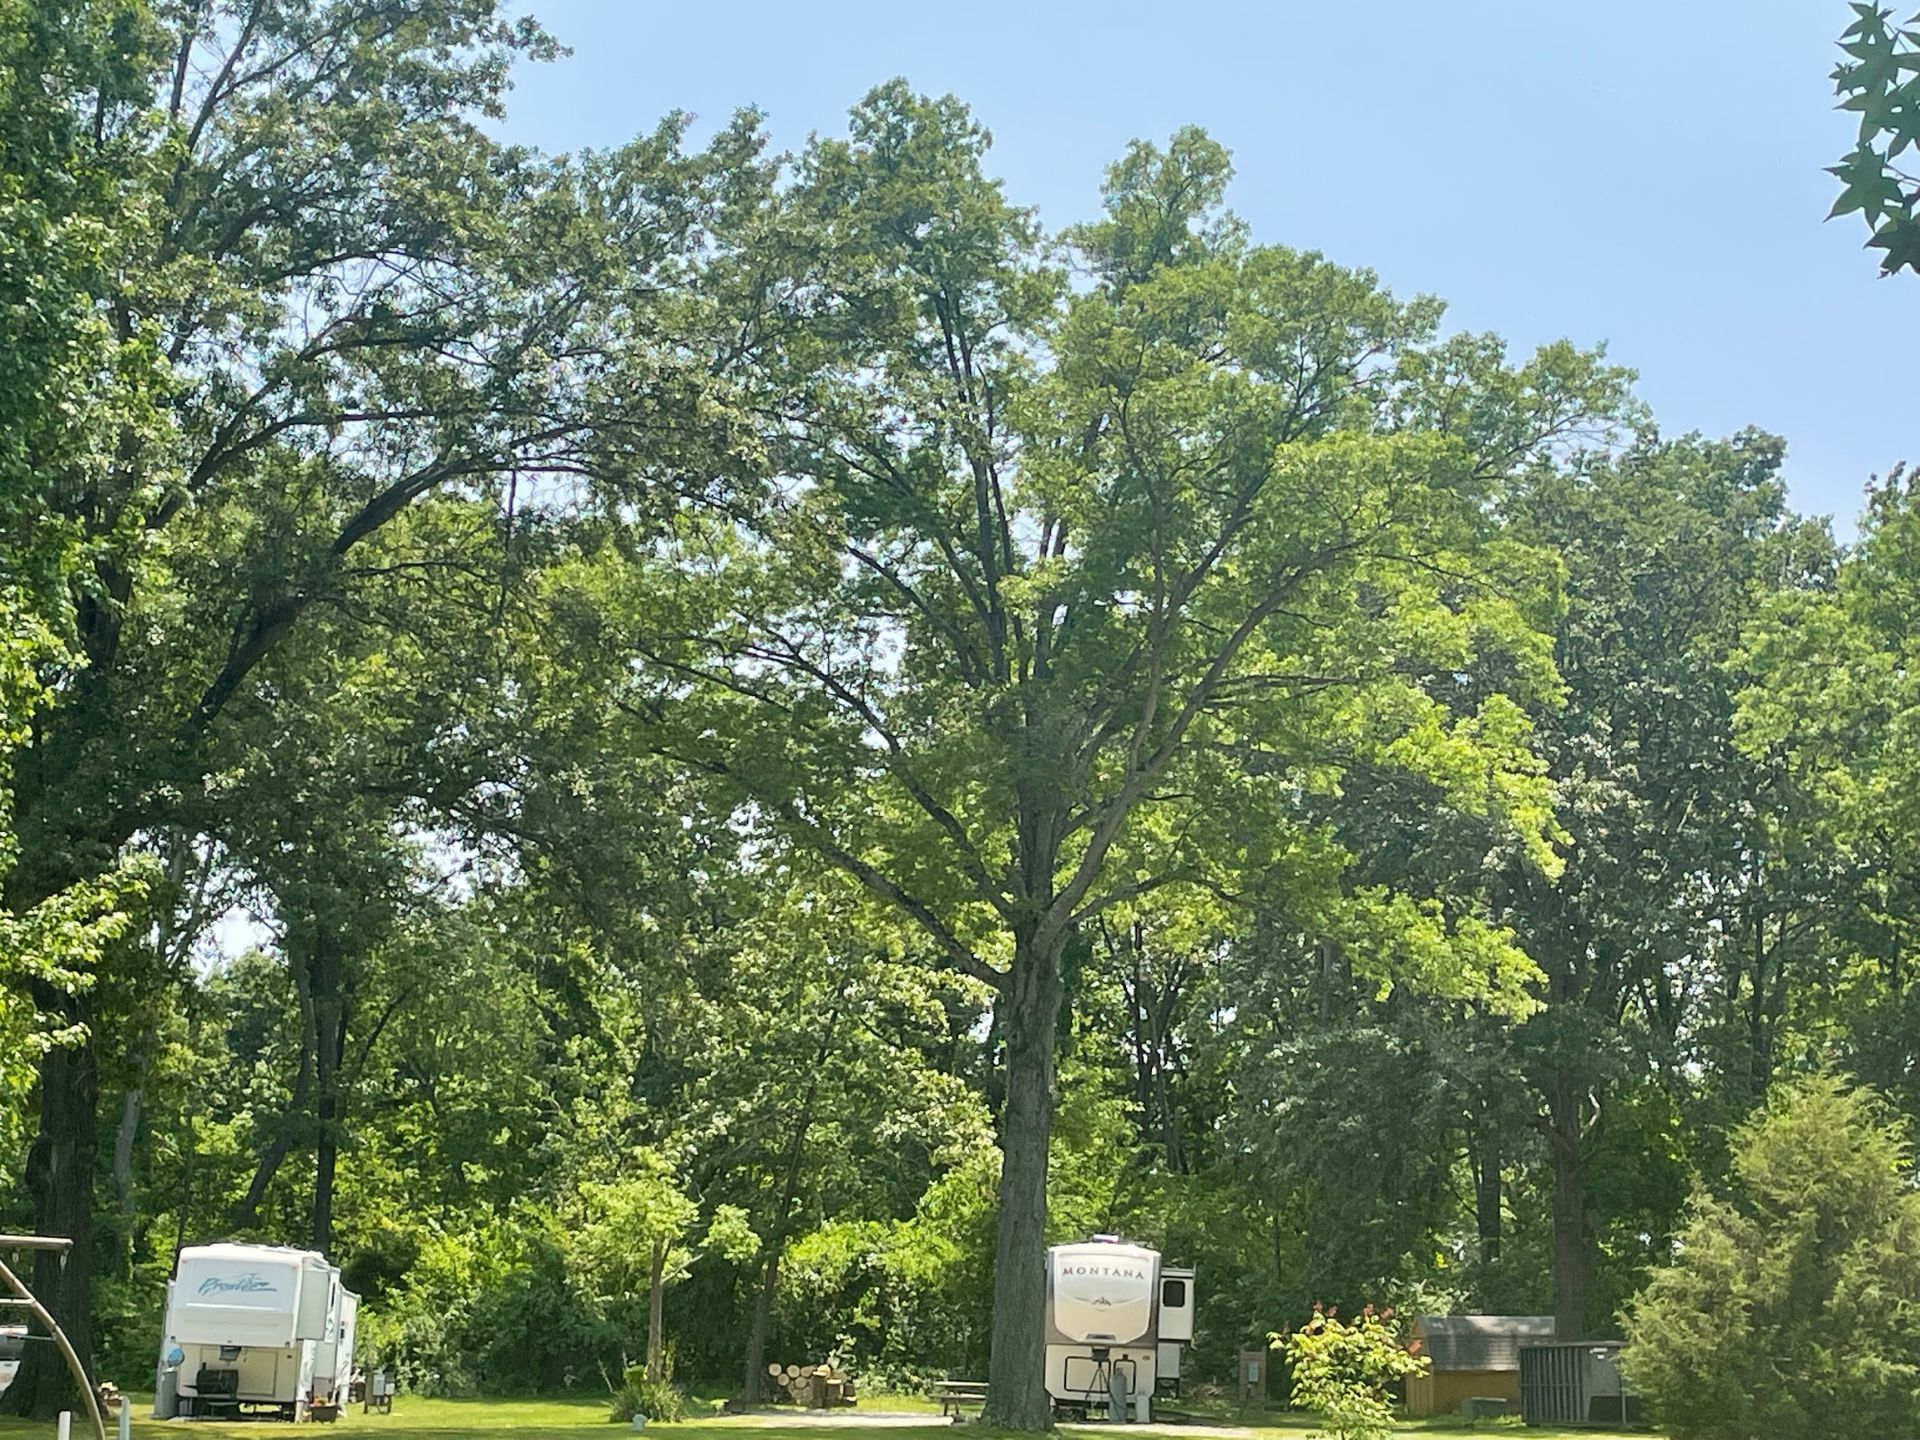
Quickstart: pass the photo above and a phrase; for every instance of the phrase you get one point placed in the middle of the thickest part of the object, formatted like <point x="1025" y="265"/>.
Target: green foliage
<point x="906" y="1299"/>
<point x="485" y="1310"/>
<point x="1048" y="600"/>
<point x="73" y="387"/>
<point x="626" y="1221"/>
<point x="1833" y="698"/>
<point x="1880" y="81"/>
<point x="1792" y="1305"/>
<point x="698" y="659"/>
<point x="1343" y="1372"/>
<point x="659" y="1400"/>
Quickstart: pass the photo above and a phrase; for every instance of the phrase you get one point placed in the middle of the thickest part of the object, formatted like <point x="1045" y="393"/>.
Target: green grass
<point x="580" y="1417"/>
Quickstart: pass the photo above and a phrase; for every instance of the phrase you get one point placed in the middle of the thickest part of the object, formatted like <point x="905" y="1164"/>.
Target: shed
<point x="1474" y="1357"/>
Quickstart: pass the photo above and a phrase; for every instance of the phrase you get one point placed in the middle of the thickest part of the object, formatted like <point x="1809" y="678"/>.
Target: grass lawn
<point x="580" y="1417"/>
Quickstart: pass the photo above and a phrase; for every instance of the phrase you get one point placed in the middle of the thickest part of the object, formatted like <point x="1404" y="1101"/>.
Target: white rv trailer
<point x="333" y="1357"/>
<point x="254" y="1328"/>
<point x="1116" y="1323"/>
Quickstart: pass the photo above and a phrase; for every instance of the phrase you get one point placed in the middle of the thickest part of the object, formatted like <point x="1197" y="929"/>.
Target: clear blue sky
<point x="1643" y="172"/>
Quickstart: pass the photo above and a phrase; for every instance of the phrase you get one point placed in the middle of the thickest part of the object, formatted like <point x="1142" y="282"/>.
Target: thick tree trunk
<point x="60" y="1182"/>
<point x="1572" y="1235"/>
<point x="1016" y="1377"/>
<point x="656" y="1304"/>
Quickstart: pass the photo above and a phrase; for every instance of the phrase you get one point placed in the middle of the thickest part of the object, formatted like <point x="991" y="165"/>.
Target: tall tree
<point x="1834" y="701"/>
<point x="1670" y="549"/>
<point x="74" y="389"/>
<point x="1039" y="574"/>
<point x="369" y="306"/>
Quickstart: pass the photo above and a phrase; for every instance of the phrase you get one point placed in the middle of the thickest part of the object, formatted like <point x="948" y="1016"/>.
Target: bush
<point x="1344" y="1373"/>
<point x="1792" y="1308"/>
<point x="659" y="1400"/>
<point x="485" y="1310"/>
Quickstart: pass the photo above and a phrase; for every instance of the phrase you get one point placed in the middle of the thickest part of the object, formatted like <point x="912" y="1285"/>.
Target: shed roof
<point x="1481" y="1342"/>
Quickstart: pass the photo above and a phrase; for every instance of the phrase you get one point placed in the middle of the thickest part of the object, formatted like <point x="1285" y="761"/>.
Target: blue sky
<point x="1642" y="172"/>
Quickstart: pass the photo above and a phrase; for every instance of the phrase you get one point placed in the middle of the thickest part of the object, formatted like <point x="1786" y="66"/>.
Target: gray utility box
<point x="1576" y="1383"/>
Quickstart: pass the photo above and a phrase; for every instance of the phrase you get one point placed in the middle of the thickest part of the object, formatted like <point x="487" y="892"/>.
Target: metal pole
<point x="40" y="1313"/>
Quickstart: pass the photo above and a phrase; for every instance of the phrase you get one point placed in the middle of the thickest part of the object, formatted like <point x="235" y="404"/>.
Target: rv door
<point x="1176" y="1305"/>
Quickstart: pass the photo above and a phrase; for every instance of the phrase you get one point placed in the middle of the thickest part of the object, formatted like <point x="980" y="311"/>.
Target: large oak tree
<point x="1064" y="593"/>
<point x="367" y="306"/>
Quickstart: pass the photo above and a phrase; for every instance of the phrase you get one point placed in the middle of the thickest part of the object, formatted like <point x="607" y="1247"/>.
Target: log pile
<point x="815" y="1387"/>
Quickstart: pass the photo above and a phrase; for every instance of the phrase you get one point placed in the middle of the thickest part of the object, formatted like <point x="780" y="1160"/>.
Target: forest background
<point x="789" y="735"/>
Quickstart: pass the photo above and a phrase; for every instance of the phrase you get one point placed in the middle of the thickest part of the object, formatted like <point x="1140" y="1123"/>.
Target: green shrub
<point x="1792" y="1306"/>
<point x="1344" y="1373"/>
<point x="660" y="1400"/>
<point x="488" y="1309"/>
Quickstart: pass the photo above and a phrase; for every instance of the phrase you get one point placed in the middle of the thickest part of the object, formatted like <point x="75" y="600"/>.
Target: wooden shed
<point x="1475" y="1357"/>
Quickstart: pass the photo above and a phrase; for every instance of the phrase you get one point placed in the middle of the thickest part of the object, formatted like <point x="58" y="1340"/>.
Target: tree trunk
<point x="1171" y="1139"/>
<point x="246" y="1213"/>
<point x="188" y="1162"/>
<point x="1572" y="1237"/>
<point x="762" y="1320"/>
<point x="123" y="1142"/>
<point x="330" y="1039"/>
<point x="1016" y="1375"/>
<point x="656" y="1297"/>
<point x="60" y="1182"/>
<point x="1484" y="1160"/>
<point x="783" y="1215"/>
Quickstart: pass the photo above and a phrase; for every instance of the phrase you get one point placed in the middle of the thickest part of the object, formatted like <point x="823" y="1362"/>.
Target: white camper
<point x="253" y="1328"/>
<point x="1116" y="1322"/>
<point x="333" y="1357"/>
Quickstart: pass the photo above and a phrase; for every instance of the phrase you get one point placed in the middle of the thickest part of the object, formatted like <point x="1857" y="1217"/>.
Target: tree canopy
<point x="692" y="753"/>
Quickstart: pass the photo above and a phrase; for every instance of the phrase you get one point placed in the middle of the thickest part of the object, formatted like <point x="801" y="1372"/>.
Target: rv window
<point x="1173" y="1294"/>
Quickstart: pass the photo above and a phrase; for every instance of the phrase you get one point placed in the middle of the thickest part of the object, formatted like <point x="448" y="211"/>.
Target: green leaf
<point x="1868" y="187"/>
<point x="1900" y="238"/>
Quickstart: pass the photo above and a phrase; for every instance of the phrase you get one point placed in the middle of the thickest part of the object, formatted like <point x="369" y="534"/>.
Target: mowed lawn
<point x="577" y="1418"/>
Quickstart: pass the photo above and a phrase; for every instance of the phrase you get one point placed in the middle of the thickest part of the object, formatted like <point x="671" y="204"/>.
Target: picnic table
<point x="958" y="1395"/>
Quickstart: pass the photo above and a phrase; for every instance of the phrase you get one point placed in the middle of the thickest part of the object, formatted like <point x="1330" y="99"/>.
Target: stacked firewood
<point x="816" y="1387"/>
